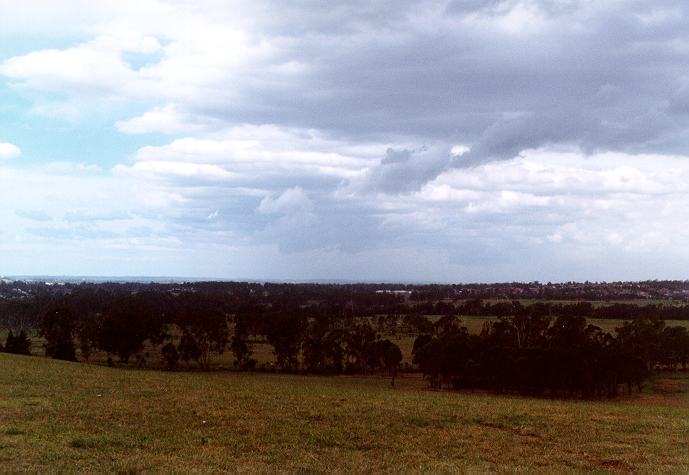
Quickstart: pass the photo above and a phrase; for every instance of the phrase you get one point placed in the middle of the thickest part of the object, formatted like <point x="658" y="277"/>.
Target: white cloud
<point x="263" y="156"/>
<point x="9" y="151"/>
<point x="92" y="67"/>
<point x="167" y="120"/>
<point x="153" y="169"/>
<point x="486" y="221"/>
<point x="198" y="57"/>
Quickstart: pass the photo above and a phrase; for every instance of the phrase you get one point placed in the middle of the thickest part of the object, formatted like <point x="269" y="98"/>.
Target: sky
<point x="445" y="141"/>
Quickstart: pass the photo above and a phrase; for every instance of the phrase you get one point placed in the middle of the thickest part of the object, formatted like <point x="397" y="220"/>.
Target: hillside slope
<point x="71" y="416"/>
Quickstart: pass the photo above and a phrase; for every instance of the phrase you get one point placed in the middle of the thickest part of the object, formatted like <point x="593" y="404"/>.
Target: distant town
<point x="674" y="290"/>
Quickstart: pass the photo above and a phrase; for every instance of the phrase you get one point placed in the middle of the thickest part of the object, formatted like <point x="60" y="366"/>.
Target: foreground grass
<point x="58" y="416"/>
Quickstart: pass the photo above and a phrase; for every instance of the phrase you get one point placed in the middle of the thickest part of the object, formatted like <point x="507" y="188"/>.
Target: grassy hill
<point x="59" y="416"/>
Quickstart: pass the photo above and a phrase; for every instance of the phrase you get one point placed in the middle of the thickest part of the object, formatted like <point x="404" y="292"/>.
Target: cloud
<point x="498" y="76"/>
<point x="404" y="170"/>
<point x="94" y="216"/>
<point x="497" y="139"/>
<point x="477" y="223"/>
<point x="289" y="201"/>
<point x="9" y="151"/>
<point x="167" y="120"/>
<point x="33" y="215"/>
<point x="265" y="156"/>
<point x="95" y="67"/>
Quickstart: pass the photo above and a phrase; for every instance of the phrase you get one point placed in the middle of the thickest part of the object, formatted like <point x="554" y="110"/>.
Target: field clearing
<point x="475" y="323"/>
<point x="595" y="303"/>
<point x="60" y="416"/>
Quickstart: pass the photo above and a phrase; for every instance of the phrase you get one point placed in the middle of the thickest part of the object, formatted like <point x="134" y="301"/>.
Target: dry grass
<point x="58" y="416"/>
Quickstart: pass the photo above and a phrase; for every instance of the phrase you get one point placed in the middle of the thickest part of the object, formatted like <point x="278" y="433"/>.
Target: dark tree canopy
<point x="539" y="348"/>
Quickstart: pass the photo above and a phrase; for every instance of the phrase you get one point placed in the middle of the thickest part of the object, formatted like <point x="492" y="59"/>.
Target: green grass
<point x="67" y="417"/>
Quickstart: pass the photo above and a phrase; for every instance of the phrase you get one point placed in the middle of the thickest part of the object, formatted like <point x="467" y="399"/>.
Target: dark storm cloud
<point x="499" y="77"/>
<point x="496" y="76"/>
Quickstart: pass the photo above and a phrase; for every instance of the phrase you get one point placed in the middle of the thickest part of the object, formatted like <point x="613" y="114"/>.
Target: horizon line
<point x="94" y="278"/>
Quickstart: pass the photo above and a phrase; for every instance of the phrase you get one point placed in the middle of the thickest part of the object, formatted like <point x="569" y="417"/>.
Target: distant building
<point x="396" y="292"/>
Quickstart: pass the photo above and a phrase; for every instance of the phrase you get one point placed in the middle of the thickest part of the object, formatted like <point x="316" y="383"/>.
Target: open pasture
<point x="475" y="323"/>
<point x="60" y="416"/>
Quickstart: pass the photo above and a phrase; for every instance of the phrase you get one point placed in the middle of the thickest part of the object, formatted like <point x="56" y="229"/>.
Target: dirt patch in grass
<point x="616" y="465"/>
<point x="668" y="386"/>
<point x="668" y="389"/>
<point x="94" y="443"/>
<point x="656" y="399"/>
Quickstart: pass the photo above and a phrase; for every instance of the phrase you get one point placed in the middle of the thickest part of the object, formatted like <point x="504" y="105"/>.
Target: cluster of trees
<point x="22" y="304"/>
<point x="542" y="348"/>
<point x="537" y="355"/>
<point x="596" y="291"/>
<point x="18" y="344"/>
<point x="315" y="343"/>
<point x="617" y="311"/>
<point x="20" y="312"/>
<point x="117" y="324"/>
<point x="194" y="327"/>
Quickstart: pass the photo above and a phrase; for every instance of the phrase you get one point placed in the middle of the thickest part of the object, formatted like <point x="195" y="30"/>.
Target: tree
<point x="285" y="333"/>
<point x="239" y="344"/>
<point x="530" y="329"/>
<point x="87" y="332"/>
<point x="57" y="327"/>
<point x="356" y="341"/>
<point x="128" y="322"/>
<point x="323" y="351"/>
<point x="427" y="355"/>
<point x="19" y="345"/>
<point x="391" y="358"/>
<point x="418" y="324"/>
<point x="189" y="349"/>
<point x="642" y="337"/>
<point x="171" y="355"/>
<point x="202" y="318"/>
<point x="675" y="347"/>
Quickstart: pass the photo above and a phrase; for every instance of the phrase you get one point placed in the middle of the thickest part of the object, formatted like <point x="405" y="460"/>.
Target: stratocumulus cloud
<point x="479" y="136"/>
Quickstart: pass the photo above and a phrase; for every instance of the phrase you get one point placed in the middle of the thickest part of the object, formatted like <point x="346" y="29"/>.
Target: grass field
<point x="58" y="416"/>
<point x="475" y="323"/>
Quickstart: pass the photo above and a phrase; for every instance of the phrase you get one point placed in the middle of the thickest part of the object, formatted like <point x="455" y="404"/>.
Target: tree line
<point x="543" y="348"/>
<point x="538" y="355"/>
<point x="194" y="327"/>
